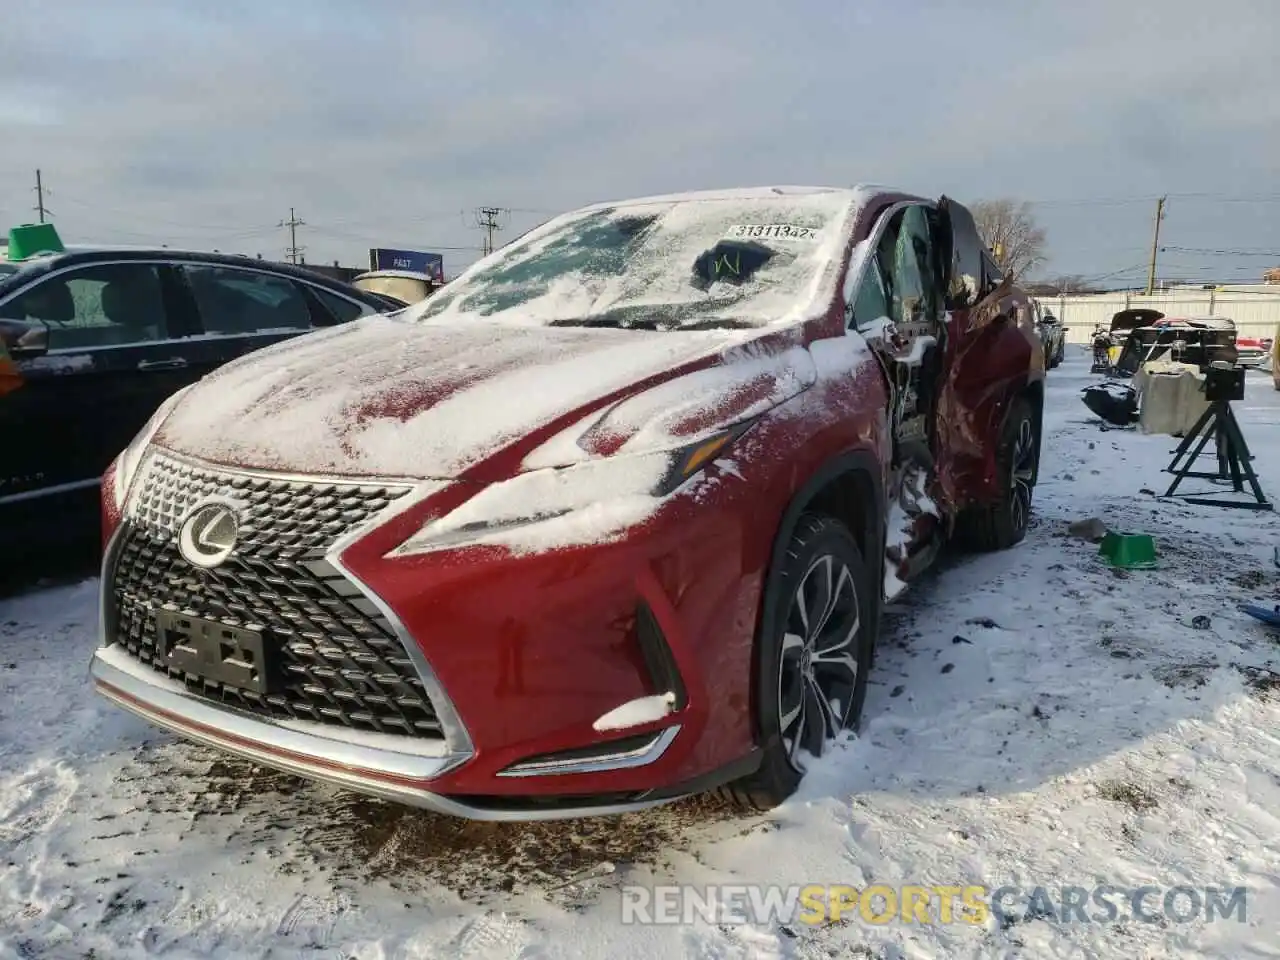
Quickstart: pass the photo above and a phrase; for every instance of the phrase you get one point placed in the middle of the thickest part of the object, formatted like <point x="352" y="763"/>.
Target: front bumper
<point x="519" y="748"/>
<point x="380" y="769"/>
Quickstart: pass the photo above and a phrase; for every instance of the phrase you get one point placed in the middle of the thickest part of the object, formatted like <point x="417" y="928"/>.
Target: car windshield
<point x="671" y="264"/>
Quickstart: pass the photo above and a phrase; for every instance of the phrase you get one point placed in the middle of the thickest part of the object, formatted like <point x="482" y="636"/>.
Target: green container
<point x="31" y="239"/>
<point x="1130" y="551"/>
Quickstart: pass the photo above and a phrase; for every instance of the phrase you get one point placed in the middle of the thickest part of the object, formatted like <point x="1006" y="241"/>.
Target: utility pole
<point x="40" y="207"/>
<point x="489" y="219"/>
<point x="1155" y="246"/>
<point x="293" y="223"/>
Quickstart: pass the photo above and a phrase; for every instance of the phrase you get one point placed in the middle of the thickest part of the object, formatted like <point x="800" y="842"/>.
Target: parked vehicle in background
<point x="607" y="521"/>
<point x="99" y="339"/>
<point x="1052" y="335"/>
<point x="1145" y="335"/>
<point x="1252" y="351"/>
<point x="406" y="286"/>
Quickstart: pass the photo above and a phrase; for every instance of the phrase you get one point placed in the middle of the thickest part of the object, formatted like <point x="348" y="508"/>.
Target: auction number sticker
<point x="772" y="231"/>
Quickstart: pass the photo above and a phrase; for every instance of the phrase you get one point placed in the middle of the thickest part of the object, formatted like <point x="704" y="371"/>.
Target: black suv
<point x="98" y="339"/>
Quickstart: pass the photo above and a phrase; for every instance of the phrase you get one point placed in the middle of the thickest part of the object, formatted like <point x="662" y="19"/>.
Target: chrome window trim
<point x="78" y="351"/>
<point x="369" y="311"/>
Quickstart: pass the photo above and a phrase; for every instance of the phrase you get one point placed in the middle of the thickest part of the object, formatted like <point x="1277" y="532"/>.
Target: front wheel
<point x="1003" y="523"/>
<point x="812" y="660"/>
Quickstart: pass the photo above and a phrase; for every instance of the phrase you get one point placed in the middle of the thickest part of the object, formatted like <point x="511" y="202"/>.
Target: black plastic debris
<point x="1116" y="403"/>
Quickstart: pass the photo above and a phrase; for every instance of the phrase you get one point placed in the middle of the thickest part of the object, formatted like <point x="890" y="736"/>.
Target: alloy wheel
<point x="1024" y="469"/>
<point x="819" y="663"/>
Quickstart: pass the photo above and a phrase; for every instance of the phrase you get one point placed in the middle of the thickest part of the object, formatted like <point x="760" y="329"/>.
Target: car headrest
<point x="51" y="302"/>
<point x="130" y="303"/>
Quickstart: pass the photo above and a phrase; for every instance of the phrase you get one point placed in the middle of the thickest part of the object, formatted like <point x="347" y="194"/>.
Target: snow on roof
<point x="734" y="193"/>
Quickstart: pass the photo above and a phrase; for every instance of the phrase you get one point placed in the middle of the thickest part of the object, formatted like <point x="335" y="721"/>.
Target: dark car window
<point x="872" y="301"/>
<point x="96" y="306"/>
<point x="903" y="262"/>
<point x="234" y="302"/>
<point x="343" y="310"/>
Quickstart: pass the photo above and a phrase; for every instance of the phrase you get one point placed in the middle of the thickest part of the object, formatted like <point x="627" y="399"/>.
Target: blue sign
<point x="432" y="264"/>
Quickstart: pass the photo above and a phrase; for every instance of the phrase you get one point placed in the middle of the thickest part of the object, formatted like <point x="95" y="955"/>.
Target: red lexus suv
<point x="607" y="521"/>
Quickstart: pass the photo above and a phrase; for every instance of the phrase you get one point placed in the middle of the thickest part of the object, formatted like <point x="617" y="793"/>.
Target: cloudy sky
<point x="388" y="123"/>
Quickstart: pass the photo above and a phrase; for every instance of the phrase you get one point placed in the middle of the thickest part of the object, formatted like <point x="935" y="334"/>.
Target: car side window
<point x="913" y="289"/>
<point x="871" y="302"/>
<point x="900" y="280"/>
<point x="236" y="302"/>
<point x="343" y="310"/>
<point x="101" y="305"/>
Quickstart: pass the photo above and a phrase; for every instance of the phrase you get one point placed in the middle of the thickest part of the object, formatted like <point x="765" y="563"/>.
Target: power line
<point x="1149" y="198"/>
<point x="293" y="223"/>
<point x="1211" y="252"/>
<point x="487" y="219"/>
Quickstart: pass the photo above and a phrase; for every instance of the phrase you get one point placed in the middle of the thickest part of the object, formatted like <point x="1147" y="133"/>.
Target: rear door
<point x="240" y="309"/>
<point x="115" y="353"/>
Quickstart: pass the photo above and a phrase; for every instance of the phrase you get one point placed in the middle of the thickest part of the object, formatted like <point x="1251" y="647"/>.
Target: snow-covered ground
<point x="1035" y="719"/>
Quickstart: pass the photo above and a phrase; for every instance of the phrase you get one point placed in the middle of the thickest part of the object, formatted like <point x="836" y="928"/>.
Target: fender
<point x="862" y="462"/>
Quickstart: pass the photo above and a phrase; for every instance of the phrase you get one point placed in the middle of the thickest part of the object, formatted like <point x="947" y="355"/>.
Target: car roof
<point x="857" y="192"/>
<point x="83" y="255"/>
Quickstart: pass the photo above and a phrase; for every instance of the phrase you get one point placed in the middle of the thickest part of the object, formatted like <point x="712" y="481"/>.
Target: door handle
<point x="173" y="363"/>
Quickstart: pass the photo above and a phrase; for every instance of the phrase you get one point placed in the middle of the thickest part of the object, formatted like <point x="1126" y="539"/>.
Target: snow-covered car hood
<point x="387" y="397"/>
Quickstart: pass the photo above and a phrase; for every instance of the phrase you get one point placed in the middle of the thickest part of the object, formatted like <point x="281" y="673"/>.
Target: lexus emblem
<point x="209" y="534"/>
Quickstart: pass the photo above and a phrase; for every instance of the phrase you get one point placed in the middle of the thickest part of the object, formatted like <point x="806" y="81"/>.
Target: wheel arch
<point x="850" y="488"/>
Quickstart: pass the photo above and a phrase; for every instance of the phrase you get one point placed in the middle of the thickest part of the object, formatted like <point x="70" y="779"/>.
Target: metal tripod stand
<point x="1234" y="460"/>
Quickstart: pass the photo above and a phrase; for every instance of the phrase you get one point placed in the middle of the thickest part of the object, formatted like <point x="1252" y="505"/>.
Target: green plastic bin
<point x="31" y="239"/>
<point x="1129" y="551"/>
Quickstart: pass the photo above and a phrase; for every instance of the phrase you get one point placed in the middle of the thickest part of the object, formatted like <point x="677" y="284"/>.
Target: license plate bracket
<point x="232" y="656"/>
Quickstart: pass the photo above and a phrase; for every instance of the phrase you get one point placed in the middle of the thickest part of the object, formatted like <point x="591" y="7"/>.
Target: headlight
<point x="587" y="503"/>
<point x="128" y="460"/>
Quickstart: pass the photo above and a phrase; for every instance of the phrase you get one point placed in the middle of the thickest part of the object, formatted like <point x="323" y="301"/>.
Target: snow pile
<point x="635" y="713"/>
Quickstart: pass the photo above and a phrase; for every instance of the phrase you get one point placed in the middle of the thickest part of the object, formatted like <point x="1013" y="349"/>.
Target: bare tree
<point x="1009" y="229"/>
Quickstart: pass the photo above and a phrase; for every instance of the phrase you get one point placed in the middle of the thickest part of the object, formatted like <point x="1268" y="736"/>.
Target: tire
<point x="821" y="556"/>
<point x="1003" y="523"/>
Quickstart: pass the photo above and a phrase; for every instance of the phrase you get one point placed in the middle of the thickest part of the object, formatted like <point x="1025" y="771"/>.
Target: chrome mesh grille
<point x="278" y="517"/>
<point x="338" y="658"/>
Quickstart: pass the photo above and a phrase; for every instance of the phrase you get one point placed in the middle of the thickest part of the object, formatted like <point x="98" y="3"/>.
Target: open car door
<point x="992" y="352"/>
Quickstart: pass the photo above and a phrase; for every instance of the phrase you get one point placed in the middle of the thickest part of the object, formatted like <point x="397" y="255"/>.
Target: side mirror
<point x="24" y="341"/>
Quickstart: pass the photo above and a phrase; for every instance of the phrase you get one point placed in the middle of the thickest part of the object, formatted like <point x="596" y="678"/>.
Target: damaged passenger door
<point x="898" y="308"/>
<point x="987" y="359"/>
